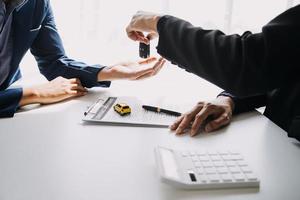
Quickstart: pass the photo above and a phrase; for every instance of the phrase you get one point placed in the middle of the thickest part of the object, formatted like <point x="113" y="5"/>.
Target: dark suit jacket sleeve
<point x="246" y="104"/>
<point x="52" y="61"/>
<point x="245" y="65"/>
<point x="9" y="101"/>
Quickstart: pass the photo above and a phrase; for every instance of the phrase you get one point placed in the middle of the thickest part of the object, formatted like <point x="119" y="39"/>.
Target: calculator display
<point x="169" y="163"/>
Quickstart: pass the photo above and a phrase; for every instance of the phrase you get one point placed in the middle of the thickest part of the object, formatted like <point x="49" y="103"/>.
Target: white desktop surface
<point x="48" y="153"/>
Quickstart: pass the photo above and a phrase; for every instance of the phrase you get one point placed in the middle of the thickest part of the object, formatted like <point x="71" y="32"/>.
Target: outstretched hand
<point x="132" y="70"/>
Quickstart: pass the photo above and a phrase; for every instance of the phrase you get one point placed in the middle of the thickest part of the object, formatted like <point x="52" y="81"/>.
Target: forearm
<point x="105" y="74"/>
<point x="52" y="67"/>
<point x="29" y="96"/>
<point x="231" y="62"/>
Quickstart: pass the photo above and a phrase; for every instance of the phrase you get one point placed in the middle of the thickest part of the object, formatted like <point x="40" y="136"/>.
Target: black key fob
<point x="144" y="50"/>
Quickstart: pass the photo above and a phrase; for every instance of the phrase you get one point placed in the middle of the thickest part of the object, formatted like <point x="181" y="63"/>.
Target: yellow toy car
<point x="122" y="109"/>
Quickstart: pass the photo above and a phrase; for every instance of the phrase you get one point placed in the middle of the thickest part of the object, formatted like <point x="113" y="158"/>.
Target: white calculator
<point x="204" y="169"/>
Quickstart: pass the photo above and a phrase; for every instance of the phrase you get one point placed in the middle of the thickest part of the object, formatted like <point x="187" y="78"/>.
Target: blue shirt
<point x="2" y="14"/>
<point x="6" y="43"/>
<point x="31" y="26"/>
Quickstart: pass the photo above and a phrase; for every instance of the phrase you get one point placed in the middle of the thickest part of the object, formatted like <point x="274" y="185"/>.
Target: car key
<point x="144" y="50"/>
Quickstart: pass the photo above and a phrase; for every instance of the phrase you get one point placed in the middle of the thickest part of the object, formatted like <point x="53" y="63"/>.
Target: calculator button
<point x="239" y="177"/>
<point x="197" y="164"/>
<point x="214" y="178"/>
<point x="200" y="170"/>
<point x="230" y="163"/>
<point x="227" y="157"/>
<point x="213" y="153"/>
<point x="202" y="178"/>
<point x="234" y="152"/>
<point x="223" y="152"/>
<point x="194" y="159"/>
<point x="219" y="163"/>
<point x="203" y="158"/>
<point x="192" y="176"/>
<point x="207" y="164"/>
<point x="222" y="170"/>
<point x="226" y="177"/>
<point x="210" y="170"/>
<point x="246" y="169"/>
<point x="242" y="163"/>
<point x="184" y="154"/>
<point x="215" y="157"/>
<point x="251" y="177"/>
<point x="237" y="157"/>
<point x="234" y="170"/>
<point x="201" y="153"/>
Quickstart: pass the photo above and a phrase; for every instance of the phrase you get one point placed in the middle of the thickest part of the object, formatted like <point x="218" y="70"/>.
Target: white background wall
<point x="94" y="30"/>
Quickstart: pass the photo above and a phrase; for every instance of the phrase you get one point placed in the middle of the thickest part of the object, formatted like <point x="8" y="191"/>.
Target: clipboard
<point x="102" y="112"/>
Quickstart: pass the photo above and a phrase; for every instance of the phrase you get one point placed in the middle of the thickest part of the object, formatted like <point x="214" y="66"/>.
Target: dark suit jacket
<point x="265" y="65"/>
<point x="34" y="28"/>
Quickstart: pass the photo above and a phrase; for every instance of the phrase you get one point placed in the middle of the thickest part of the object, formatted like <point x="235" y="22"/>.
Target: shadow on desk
<point x="296" y="143"/>
<point x="171" y="193"/>
<point x="174" y="194"/>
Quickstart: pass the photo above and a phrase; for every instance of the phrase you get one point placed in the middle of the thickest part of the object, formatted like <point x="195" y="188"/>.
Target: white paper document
<point x="102" y="111"/>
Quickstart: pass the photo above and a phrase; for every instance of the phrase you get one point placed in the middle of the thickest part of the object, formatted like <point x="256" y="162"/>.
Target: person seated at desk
<point x="254" y="69"/>
<point x="29" y="24"/>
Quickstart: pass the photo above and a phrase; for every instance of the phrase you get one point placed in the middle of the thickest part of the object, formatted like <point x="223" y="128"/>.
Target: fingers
<point x="78" y="87"/>
<point x="179" y="120"/>
<point x="147" y="61"/>
<point x="154" y="70"/>
<point x="201" y="117"/>
<point x="147" y="71"/>
<point x="75" y="80"/>
<point x="141" y="38"/>
<point x="223" y="120"/>
<point x="213" y="116"/>
<point x="209" y="115"/>
<point x="159" y="67"/>
<point x="152" y="36"/>
<point x="143" y="22"/>
<point x="184" y="124"/>
<point x="75" y="93"/>
<point x="186" y="120"/>
<point x="136" y="36"/>
<point x="174" y="126"/>
<point x="144" y="76"/>
<point x="75" y="87"/>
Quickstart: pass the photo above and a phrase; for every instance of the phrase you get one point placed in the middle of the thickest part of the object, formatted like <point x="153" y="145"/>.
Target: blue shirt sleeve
<point x="52" y="60"/>
<point x="9" y="101"/>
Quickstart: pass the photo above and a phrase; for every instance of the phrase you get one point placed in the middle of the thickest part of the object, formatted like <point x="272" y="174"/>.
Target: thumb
<point x="152" y="36"/>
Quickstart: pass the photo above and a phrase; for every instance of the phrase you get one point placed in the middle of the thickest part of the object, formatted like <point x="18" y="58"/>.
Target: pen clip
<point x="90" y="108"/>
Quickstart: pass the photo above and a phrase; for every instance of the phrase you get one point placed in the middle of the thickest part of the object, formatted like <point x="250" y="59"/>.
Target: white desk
<point x="49" y="154"/>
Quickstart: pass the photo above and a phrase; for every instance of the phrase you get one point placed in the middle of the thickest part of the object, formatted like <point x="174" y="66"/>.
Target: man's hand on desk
<point x="132" y="70"/>
<point x="57" y="90"/>
<point x="210" y="115"/>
